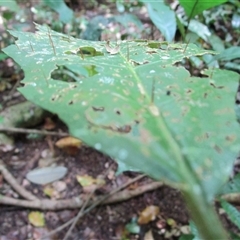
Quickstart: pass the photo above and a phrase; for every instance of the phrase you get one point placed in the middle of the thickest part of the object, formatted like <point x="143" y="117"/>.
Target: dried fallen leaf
<point x="112" y="50"/>
<point x="148" y="214"/>
<point x="148" y="235"/>
<point x="68" y="141"/>
<point x="48" y="191"/>
<point x="69" y="144"/>
<point x="86" y="180"/>
<point x="3" y="86"/>
<point x="185" y="229"/>
<point x="36" y="219"/>
<point x="49" y="124"/>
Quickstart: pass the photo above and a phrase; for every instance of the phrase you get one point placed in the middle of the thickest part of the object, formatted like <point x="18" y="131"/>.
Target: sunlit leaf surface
<point x="137" y="105"/>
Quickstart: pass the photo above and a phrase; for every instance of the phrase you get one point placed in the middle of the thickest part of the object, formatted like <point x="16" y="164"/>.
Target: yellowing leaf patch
<point x="69" y="144"/>
<point x="36" y="219"/>
<point x="148" y="214"/>
<point x="87" y="180"/>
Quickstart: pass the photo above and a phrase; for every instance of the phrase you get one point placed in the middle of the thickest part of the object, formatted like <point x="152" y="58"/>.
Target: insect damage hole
<point x="118" y="112"/>
<point x="98" y="109"/>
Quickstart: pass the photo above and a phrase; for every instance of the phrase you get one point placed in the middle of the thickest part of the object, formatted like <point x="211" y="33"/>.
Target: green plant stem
<point x="204" y="216"/>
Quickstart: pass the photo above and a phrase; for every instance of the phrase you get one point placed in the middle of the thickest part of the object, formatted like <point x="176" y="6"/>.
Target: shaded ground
<point x="106" y="222"/>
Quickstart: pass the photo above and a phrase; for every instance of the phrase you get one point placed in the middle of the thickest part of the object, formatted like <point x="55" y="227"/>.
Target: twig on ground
<point x="73" y="203"/>
<point x="102" y="200"/>
<point x="48" y="204"/>
<point x="78" y="215"/>
<point x="35" y="131"/>
<point x="15" y="185"/>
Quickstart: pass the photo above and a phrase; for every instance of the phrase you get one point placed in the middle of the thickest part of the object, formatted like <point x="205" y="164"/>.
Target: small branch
<point x="26" y="131"/>
<point x="73" y="203"/>
<point x="15" y="185"/>
<point x="80" y="213"/>
<point x="101" y="200"/>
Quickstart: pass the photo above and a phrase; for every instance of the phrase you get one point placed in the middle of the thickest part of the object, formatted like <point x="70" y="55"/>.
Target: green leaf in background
<point x="194" y="231"/>
<point x="10" y="4"/>
<point x="120" y="6"/>
<point x="200" y="29"/>
<point x="3" y="56"/>
<point x="216" y="42"/>
<point x="236" y="20"/>
<point x="234" y="236"/>
<point x="186" y="237"/>
<point x="233" y="186"/>
<point x="163" y="18"/>
<point x="65" y="13"/>
<point x="124" y="19"/>
<point x="232" y="212"/>
<point x="195" y="7"/>
<point x="229" y="54"/>
<point x="232" y="66"/>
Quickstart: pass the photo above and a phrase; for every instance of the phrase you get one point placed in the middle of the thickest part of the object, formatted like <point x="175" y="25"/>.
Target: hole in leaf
<point x="124" y="129"/>
<point x="213" y="85"/>
<point x="218" y="149"/>
<point x="98" y="109"/>
<point x="189" y="91"/>
<point x="151" y="52"/>
<point x="88" y="52"/>
<point x="62" y="73"/>
<point x="154" y="45"/>
<point x="231" y="138"/>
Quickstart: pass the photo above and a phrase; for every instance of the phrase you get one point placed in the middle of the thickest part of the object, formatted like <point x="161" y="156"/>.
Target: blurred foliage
<point x="212" y="25"/>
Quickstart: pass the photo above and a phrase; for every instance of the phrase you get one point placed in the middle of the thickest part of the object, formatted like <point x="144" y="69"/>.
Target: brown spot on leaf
<point x="98" y="109"/>
<point x="124" y="129"/>
<point x="218" y="149"/>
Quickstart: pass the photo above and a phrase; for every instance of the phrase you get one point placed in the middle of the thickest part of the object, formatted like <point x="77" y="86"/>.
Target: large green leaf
<point x="10" y="4"/>
<point x="232" y="212"/>
<point x="195" y="7"/>
<point x="163" y="18"/>
<point x="136" y="105"/>
<point x="65" y="13"/>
